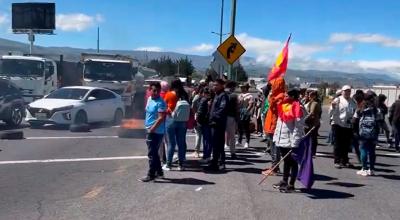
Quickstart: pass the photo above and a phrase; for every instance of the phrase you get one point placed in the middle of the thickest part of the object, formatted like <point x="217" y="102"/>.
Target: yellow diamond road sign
<point x="231" y="49"/>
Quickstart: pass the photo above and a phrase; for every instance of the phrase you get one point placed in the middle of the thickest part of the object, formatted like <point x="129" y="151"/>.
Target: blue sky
<point x="353" y="34"/>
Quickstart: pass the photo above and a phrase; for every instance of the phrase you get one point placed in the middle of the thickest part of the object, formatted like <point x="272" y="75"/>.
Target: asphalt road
<point x="56" y="174"/>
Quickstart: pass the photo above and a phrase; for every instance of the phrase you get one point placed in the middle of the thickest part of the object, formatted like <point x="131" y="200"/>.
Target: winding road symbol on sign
<point x="230" y="50"/>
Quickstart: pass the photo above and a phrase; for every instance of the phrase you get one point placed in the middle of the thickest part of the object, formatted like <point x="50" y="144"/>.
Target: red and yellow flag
<point x="289" y="110"/>
<point x="281" y="63"/>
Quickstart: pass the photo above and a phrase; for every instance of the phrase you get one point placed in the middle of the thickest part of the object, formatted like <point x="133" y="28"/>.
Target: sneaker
<point x="146" y="179"/>
<point x="362" y="172"/>
<point x="287" y="189"/>
<point x="181" y="168"/>
<point x="166" y="167"/>
<point x="370" y="172"/>
<point x="279" y="185"/>
<point x="246" y="145"/>
<point x="196" y="154"/>
<point x="238" y="143"/>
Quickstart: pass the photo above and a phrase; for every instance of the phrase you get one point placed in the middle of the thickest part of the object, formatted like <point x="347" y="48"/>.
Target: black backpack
<point x="368" y="126"/>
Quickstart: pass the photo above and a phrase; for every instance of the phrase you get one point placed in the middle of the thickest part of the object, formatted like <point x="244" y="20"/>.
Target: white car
<point x="76" y="105"/>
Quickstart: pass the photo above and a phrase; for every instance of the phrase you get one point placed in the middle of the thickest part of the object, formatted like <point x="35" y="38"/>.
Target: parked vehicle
<point x="35" y="76"/>
<point x="12" y="109"/>
<point x="113" y="72"/>
<point x="76" y="105"/>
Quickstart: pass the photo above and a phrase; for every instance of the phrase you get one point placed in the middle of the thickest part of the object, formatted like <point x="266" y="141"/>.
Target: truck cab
<point x="35" y="76"/>
<point x="113" y="72"/>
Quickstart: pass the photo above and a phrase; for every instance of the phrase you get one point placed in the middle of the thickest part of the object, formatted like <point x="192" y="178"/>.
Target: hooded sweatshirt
<point x="276" y="96"/>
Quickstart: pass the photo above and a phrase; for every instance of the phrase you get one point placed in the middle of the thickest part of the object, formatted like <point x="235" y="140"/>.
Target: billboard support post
<point x="31" y="38"/>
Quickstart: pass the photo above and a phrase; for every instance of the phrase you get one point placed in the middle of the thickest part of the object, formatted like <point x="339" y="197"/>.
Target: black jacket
<point x="202" y="111"/>
<point x="219" y="109"/>
<point x="394" y="114"/>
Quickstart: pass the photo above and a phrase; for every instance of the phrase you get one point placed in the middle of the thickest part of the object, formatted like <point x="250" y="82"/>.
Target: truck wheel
<point x="16" y="116"/>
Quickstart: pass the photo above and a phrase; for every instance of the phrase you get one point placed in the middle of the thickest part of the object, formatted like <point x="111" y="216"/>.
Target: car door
<point x="94" y="106"/>
<point x="108" y="104"/>
<point x="3" y="91"/>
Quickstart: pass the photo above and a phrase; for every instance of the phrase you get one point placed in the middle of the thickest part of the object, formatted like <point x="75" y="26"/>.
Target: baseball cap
<point x="346" y="87"/>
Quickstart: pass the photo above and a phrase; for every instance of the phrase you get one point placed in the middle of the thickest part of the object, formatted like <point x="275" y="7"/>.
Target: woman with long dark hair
<point x="176" y="128"/>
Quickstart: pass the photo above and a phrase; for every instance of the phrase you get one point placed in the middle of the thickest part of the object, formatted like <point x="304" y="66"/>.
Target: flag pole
<point x="274" y="167"/>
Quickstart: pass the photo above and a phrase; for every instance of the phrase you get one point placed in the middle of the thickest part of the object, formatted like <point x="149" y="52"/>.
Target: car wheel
<point x="16" y="116"/>
<point x="118" y="116"/>
<point x="81" y="118"/>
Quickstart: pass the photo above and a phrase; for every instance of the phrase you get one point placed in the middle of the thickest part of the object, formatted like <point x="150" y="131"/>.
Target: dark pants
<point x="368" y="151"/>
<point x="153" y="141"/>
<point x="396" y="133"/>
<point x="343" y="139"/>
<point x="356" y="146"/>
<point x="206" y="131"/>
<point x="244" y="127"/>
<point x="217" y="144"/>
<point x="290" y="167"/>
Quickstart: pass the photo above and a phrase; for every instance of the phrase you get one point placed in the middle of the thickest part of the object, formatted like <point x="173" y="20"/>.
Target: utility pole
<point x="222" y="22"/>
<point x="233" y="18"/>
<point x="98" y="39"/>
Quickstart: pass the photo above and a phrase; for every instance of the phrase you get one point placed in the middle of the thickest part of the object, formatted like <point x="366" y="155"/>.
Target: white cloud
<point x="3" y="19"/>
<point x="203" y="48"/>
<point x="77" y="22"/>
<point x="266" y="50"/>
<point x="150" y="48"/>
<point x="348" y="49"/>
<point x="364" y="38"/>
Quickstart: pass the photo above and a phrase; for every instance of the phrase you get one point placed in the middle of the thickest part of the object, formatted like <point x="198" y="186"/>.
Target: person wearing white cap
<point x="342" y="110"/>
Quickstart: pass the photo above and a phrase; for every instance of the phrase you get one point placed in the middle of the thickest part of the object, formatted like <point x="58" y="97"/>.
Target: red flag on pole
<point x="281" y="63"/>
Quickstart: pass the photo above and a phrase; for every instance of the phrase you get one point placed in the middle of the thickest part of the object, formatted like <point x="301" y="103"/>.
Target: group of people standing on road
<point x="282" y="115"/>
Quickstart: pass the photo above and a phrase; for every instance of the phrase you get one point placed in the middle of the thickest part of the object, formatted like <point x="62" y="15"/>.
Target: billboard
<point x="33" y="16"/>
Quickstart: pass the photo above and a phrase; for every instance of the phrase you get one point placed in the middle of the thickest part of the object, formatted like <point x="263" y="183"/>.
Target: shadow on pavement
<point x="240" y="163"/>
<point x="255" y="160"/>
<point x="385" y="165"/>
<point x="185" y="181"/>
<point x="247" y="170"/>
<point x="384" y="170"/>
<point x="319" y="177"/>
<point x="391" y="177"/>
<point x="326" y="194"/>
<point x="344" y="184"/>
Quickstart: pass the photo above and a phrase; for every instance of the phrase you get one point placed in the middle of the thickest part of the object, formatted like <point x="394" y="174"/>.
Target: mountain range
<point x="201" y="63"/>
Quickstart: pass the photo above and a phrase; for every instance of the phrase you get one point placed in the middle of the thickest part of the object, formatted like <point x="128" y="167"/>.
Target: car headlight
<point x="66" y="108"/>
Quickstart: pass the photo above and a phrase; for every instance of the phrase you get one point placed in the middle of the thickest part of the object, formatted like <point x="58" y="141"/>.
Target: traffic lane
<point x="109" y="190"/>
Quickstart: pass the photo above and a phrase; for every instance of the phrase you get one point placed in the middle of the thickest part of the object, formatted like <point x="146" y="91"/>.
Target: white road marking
<point x="76" y="137"/>
<point x="81" y="137"/>
<point x="393" y="154"/>
<point x="72" y="160"/>
<point x="198" y="189"/>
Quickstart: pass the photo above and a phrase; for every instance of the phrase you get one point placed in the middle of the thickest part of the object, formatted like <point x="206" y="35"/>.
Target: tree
<point x="185" y="67"/>
<point x="240" y="73"/>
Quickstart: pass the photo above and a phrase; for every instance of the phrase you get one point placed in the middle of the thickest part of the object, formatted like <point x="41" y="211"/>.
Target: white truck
<point x="35" y="76"/>
<point x="113" y="72"/>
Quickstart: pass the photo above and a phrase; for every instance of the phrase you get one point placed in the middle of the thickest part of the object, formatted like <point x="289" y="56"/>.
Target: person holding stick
<point x="288" y="133"/>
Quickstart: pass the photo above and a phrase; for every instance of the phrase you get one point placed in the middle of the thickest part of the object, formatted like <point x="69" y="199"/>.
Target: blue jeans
<point x="153" y="141"/>
<point x="368" y="150"/>
<point x="176" y="133"/>
<point x="206" y="131"/>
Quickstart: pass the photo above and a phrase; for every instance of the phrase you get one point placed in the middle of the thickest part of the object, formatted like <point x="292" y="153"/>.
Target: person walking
<point x="178" y="114"/>
<point x="199" y="135"/>
<point x="369" y="116"/>
<point x="342" y="110"/>
<point x="232" y="118"/>
<point x="202" y="118"/>
<point x="313" y="119"/>
<point x="154" y="124"/>
<point x="246" y="105"/>
<point x="394" y="118"/>
<point x="288" y="133"/>
<point x="218" y="117"/>
<point x="359" y="99"/>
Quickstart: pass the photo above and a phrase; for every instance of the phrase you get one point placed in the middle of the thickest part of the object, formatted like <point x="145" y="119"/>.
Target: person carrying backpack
<point x="178" y="112"/>
<point x="368" y="117"/>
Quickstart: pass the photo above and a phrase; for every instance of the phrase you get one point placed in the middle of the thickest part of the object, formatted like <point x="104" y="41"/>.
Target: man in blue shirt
<point x="155" y="126"/>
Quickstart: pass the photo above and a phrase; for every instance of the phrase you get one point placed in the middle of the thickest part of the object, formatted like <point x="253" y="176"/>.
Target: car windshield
<point x="21" y="68"/>
<point x="68" y="93"/>
<point x="108" y="71"/>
